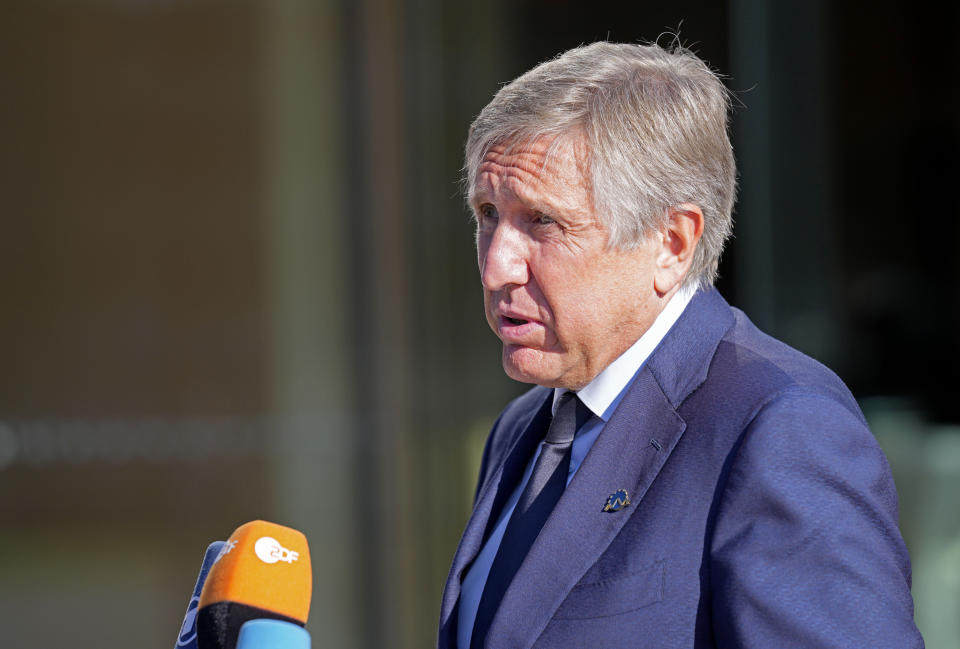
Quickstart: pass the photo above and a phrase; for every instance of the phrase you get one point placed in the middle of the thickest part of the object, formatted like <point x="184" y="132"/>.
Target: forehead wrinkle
<point x="523" y="167"/>
<point x="526" y="176"/>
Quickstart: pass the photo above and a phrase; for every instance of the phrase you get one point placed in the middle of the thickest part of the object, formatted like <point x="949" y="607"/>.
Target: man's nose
<point x="503" y="259"/>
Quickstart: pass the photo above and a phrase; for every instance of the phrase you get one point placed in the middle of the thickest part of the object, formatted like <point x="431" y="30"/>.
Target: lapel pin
<point x="617" y="501"/>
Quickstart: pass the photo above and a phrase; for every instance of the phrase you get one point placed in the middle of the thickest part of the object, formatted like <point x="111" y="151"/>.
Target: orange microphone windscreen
<point x="263" y="571"/>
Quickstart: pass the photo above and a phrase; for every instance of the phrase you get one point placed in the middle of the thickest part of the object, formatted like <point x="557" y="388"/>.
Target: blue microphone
<point x="272" y="634"/>
<point x="188" y="631"/>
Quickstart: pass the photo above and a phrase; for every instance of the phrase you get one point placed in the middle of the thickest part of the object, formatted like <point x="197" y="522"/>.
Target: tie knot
<point x="571" y="415"/>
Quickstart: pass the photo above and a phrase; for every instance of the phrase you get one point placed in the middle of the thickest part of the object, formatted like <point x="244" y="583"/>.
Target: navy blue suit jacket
<point x="763" y="513"/>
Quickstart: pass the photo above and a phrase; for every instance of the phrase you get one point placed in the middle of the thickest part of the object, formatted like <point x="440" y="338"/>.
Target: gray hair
<point x="655" y="124"/>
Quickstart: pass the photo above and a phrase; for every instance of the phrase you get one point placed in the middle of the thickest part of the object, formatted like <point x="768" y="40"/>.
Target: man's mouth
<point x="517" y="330"/>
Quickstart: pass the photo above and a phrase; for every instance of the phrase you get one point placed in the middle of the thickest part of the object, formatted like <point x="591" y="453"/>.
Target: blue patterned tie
<point x="543" y="490"/>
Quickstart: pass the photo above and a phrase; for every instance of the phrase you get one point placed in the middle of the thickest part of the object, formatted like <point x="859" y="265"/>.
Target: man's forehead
<point x="548" y="165"/>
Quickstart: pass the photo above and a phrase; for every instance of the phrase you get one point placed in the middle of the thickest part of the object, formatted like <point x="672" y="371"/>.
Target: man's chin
<point x="528" y="365"/>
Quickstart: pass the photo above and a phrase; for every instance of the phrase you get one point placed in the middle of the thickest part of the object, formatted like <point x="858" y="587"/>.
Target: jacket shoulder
<point x="758" y="368"/>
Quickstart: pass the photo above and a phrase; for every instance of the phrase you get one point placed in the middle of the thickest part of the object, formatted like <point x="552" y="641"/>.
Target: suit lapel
<point x="490" y="501"/>
<point x="578" y="531"/>
<point x="517" y="460"/>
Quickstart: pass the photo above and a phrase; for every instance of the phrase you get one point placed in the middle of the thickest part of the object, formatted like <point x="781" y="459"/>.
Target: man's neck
<point x="601" y="393"/>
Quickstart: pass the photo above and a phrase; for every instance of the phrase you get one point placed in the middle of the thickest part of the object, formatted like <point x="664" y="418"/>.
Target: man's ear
<point x="678" y="239"/>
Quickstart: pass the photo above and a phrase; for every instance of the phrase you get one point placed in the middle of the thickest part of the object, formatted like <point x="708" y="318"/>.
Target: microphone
<point x="188" y="630"/>
<point x="263" y="572"/>
<point x="272" y="634"/>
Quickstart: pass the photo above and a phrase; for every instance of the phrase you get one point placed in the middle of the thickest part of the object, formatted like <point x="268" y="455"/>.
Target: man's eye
<point x="487" y="213"/>
<point x="543" y="219"/>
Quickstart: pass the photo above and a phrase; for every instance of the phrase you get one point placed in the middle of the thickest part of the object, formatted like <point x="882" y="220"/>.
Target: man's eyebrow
<point x="479" y="196"/>
<point x="539" y="204"/>
<point x="476" y="197"/>
<point x="543" y="207"/>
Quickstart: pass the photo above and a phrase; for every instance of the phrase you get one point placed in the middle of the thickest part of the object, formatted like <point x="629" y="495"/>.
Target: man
<point x="676" y="478"/>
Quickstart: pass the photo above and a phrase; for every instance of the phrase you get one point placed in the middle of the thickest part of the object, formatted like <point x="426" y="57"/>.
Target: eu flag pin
<point x="617" y="501"/>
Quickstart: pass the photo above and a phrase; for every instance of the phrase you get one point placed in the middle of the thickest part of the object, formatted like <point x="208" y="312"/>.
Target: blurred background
<point x="237" y="280"/>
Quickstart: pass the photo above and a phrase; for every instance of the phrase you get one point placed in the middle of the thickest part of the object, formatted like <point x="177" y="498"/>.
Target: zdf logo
<point x="269" y="550"/>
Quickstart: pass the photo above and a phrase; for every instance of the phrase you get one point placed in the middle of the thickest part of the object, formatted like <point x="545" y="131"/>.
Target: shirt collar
<point x="602" y="394"/>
